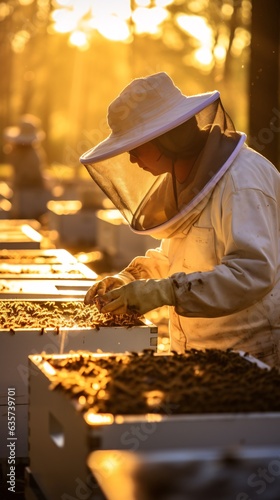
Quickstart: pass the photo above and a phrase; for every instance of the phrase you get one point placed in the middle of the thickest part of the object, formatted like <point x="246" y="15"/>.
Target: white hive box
<point x="72" y="223"/>
<point x="5" y="203"/>
<point x="16" y="234"/>
<point x="68" y="270"/>
<point x="29" y="202"/>
<point x="4" y="209"/>
<point x="115" y="237"/>
<point x="187" y="474"/>
<point x="5" y="206"/>
<point x="33" y="273"/>
<point x="35" y="256"/>
<point x="70" y="438"/>
<point x="44" y="289"/>
<point x="17" y="345"/>
<point x="7" y="224"/>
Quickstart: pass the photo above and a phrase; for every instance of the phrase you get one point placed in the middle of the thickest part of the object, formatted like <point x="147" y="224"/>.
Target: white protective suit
<point x="226" y="268"/>
<point x="219" y="226"/>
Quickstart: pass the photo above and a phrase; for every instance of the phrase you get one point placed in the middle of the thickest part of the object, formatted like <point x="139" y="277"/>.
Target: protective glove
<point x="103" y="286"/>
<point x="139" y="297"/>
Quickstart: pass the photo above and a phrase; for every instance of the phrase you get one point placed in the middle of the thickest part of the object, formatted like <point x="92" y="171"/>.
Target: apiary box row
<point x="20" y="234"/>
<point x="16" y="346"/>
<point x="68" y="271"/>
<point x="43" y="289"/>
<point x="25" y="237"/>
<point x="71" y="438"/>
<point x="37" y="256"/>
<point x="19" y="271"/>
<point x="18" y="343"/>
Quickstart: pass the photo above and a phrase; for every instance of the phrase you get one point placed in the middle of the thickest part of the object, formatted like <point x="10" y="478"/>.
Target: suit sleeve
<point x="249" y="228"/>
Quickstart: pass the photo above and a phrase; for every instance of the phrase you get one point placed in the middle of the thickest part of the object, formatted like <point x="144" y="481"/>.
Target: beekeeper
<point x="177" y="169"/>
<point x="25" y="152"/>
<point x="26" y="155"/>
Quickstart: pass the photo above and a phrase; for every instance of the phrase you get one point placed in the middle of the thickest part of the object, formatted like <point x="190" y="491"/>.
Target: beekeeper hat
<point x="27" y="132"/>
<point x="147" y="108"/>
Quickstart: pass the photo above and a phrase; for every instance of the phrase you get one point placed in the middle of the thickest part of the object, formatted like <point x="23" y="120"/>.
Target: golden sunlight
<point x="142" y="3"/>
<point x="48" y="368"/>
<point x="204" y="56"/>
<point x="241" y="40"/>
<point x="63" y="3"/>
<point x="148" y="20"/>
<point x="19" y="40"/>
<point x="92" y="418"/>
<point x="163" y="3"/>
<point x="197" y="27"/>
<point x="220" y="52"/>
<point x="112" y="21"/>
<point x="121" y="20"/>
<point x="113" y="28"/>
<point x="64" y="20"/>
<point x="25" y="2"/>
<point x="79" y="39"/>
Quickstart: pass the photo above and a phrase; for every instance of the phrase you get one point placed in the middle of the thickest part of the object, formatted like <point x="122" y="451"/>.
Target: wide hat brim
<point x="154" y="126"/>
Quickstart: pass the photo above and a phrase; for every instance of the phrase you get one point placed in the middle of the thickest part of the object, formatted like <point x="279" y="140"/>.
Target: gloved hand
<point x="139" y="297"/>
<point x="103" y="286"/>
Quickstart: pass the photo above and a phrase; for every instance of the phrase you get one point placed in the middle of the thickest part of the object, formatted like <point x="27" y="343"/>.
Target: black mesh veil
<point x="147" y="202"/>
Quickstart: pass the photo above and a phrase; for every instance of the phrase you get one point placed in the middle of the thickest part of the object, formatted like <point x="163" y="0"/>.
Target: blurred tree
<point x="264" y="115"/>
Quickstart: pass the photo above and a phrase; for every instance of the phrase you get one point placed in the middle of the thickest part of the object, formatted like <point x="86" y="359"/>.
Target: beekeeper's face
<point x="149" y="158"/>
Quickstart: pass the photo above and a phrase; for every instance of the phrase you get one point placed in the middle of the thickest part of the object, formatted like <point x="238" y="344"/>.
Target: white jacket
<point x="226" y="268"/>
